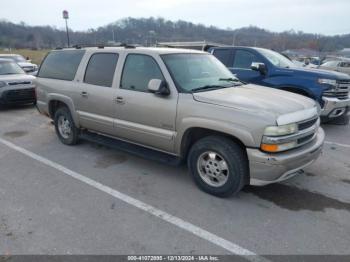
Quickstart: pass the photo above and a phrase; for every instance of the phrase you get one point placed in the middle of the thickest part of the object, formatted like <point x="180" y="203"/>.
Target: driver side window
<point x="138" y="71"/>
<point x="244" y="59"/>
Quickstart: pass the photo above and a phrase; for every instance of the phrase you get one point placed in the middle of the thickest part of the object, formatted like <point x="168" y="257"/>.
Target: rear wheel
<point x="218" y="166"/>
<point x="65" y="128"/>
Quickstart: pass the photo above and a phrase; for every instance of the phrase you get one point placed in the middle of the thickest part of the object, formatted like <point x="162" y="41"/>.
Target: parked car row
<point x="339" y="66"/>
<point x="178" y="105"/>
<point x="16" y="87"/>
<point x="24" y="63"/>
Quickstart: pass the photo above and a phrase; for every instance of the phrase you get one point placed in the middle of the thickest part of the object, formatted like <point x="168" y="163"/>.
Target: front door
<point x="241" y="67"/>
<point x="95" y="105"/>
<point x="143" y="117"/>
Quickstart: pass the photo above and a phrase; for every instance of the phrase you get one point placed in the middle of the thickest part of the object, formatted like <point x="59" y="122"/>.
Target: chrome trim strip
<point x="149" y="130"/>
<point x="103" y="120"/>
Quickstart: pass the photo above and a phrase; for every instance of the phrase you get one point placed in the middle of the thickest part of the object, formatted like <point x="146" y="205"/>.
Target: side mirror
<point x="158" y="87"/>
<point x="260" y="67"/>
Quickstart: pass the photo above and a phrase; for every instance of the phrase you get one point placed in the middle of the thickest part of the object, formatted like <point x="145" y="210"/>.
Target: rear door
<point x="95" y="101"/>
<point x="143" y="117"/>
<point x="242" y="61"/>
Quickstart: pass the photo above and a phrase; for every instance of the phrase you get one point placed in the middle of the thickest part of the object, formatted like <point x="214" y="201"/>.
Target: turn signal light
<point x="269" y="148"/>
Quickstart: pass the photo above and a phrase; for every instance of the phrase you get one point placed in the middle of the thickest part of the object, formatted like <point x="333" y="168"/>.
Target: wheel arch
<point x="57" y="101"/>
<point x="193" y="134"/>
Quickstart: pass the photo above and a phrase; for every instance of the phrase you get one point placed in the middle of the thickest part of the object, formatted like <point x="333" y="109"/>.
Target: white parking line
<point x="337" y="144"/>
<point x="202" y="233"/>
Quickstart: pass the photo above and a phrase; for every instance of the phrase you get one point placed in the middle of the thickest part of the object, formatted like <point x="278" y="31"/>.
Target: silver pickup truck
<point x="184" y="104"/>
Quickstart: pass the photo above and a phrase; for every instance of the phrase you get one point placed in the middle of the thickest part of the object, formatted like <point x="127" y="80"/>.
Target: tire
<point x="66" y="130"/>
<point x="205" y="159"/>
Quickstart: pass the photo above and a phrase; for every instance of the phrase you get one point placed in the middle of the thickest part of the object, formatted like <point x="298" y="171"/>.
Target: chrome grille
<point x="341" y="91"/>
<point x="307" y="124"/>
<point x="19" y="83"/>
<point x="19" y="95"/>
<point x="307" y="131"/>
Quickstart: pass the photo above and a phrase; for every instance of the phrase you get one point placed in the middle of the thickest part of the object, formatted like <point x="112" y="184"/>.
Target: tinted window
<point x="244" y="59"/>
<point x="345" y="64"/>
<point x="100" y="69"/>
<point x="61" y="65"/>
<point x="138" y="71"/>
<point x="224" y="55"/>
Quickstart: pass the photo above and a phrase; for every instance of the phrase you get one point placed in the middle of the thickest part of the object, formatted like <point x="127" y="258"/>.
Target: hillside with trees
<point x="148" y="31"/>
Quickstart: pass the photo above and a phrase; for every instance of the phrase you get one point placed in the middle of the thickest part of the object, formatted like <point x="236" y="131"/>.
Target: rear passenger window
<point x="224" y="55"/>
<point x="100" y="69"/>
<point x="61" y="65"/>
<point x="138" y="71"/>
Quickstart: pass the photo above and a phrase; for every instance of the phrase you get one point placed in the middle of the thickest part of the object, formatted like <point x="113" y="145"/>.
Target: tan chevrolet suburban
<point x="176" y="105"/>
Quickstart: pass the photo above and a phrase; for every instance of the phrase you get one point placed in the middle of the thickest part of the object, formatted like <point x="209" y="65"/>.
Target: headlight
<point x="281" y="130"/>
<point x="327" y="81"/>
<point x="2" y="84"/>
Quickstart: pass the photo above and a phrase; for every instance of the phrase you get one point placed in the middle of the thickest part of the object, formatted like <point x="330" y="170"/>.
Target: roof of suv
<point x="5" y="60"/>
<point x="149" y="50"/>
<point x="9" y="55"/>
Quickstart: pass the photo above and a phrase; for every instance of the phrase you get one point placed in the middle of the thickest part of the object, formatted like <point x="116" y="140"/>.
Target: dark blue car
<point x="269" y="68"/>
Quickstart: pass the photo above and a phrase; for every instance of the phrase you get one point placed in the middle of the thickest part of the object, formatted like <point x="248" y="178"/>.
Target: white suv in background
<point x="26" y="65"/>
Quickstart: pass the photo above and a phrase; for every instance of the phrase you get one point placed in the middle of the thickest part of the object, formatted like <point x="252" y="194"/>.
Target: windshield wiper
<point x="208" y="87"/>
<point x="230" y="79"/>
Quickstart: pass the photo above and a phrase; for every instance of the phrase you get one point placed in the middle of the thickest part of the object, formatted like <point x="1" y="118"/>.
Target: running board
<point x="139" y="151"/>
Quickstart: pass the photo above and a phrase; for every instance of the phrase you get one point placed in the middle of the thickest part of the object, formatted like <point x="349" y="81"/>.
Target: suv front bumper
<point x="23" y="95"/>
<point x="272" y="168"/>
<point x="334" y="107"/>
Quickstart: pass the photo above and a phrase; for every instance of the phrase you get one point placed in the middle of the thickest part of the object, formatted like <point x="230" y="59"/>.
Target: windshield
<point x="10" y="68"/>
<point x="192" y="72"/>
<point x="19" y="58"/>
<point x="276" y="59"/>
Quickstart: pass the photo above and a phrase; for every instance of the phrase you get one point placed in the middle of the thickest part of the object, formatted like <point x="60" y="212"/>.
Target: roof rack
<point x="100" y="46"/>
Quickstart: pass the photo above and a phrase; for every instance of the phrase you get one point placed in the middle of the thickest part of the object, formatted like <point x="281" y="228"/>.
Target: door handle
<point x="119" y="100"/>
<point x="84" y="94"/>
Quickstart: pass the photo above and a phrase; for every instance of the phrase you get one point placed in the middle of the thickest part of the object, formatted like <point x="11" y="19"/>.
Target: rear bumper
<point x="334" y="107"/>
<point x="272" y="168"/>
<point x="18" y="96"/>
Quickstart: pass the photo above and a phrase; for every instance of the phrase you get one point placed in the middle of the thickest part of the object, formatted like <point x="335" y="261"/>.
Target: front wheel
<point x="65" y="128"/>
<point x="218" y="166"/>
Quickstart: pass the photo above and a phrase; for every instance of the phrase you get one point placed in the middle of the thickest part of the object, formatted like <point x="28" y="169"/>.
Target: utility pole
<point x="66" y="17"/>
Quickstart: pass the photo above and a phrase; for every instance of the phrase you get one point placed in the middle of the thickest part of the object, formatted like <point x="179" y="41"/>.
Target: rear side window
<point x="101" y="68"/>
<point x="224" y="55"/>
<point x="61" y="65"/>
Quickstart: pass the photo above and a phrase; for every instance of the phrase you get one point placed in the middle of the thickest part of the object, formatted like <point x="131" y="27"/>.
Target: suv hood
<point x="318" y="73"/>
<point x="256" y="99"/>
<point x="16" y="77"/>
<point x="24" y="64"/>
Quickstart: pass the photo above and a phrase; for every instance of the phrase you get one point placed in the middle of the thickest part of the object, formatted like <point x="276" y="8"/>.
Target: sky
<point x="328" y="17"/>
